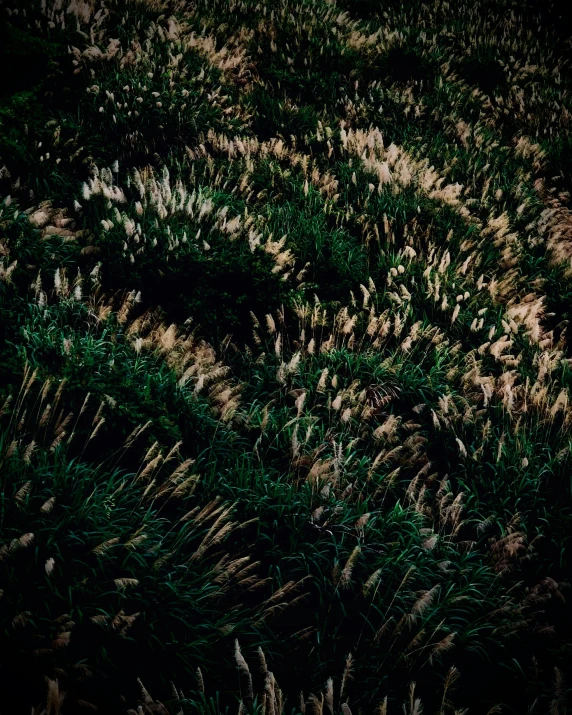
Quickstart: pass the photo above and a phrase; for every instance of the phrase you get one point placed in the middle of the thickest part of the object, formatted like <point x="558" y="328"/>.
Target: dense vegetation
<point x="285" y="370"/>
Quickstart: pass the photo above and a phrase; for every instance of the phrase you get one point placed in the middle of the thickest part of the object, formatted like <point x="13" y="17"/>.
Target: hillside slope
<point x="284" y="357"/>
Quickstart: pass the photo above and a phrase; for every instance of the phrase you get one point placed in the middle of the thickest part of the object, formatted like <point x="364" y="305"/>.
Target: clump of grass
<point x="98" y="561"/>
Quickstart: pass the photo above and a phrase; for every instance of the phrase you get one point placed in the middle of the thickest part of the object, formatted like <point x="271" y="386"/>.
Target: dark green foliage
<point x="25" y="58"/>
<point x="484" y="70"/>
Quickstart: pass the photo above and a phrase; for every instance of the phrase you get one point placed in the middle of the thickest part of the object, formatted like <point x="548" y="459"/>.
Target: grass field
<point x="285" y="372"/>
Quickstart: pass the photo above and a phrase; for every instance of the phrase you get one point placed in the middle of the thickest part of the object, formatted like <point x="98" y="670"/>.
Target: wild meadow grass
<point x="284" y="366"/>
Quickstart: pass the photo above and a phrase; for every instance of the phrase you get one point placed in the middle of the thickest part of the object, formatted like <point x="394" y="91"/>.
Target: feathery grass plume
<point x="346" y="574"/>
<point x="200" y="681"/>
<point x="316" y="703"/>
<point x="373" y="580"/>
<point x="263" y="664"/>
<point x="347" y="674"/>
<point x="23" y="492"/>
<point x="48" y="505"/>
<point x="123" y="583"/>
<point x="450" y="680"/>
<point x="49" y="566"/>
<point x="329" y="695"/>
<point x="443" y="646"/>
<point x="105" y="545"/>
<point x="54" y="698"/>
<point x="415" y="705"/>
<point x="244" y="673"/>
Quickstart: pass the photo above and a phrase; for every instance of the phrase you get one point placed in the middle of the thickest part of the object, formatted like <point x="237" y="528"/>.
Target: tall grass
<point x="284" y="298"/>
